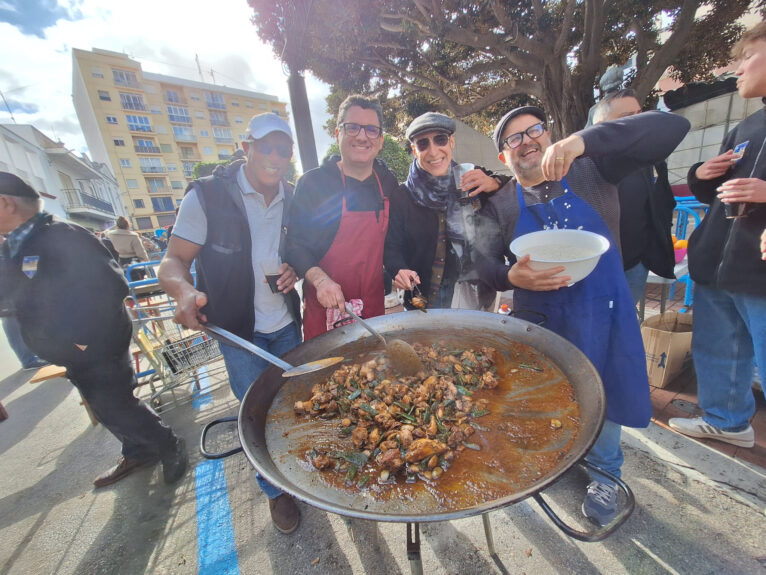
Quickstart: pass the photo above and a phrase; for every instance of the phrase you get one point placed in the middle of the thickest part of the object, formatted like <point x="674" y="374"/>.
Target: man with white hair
<point x="67" y="292"/>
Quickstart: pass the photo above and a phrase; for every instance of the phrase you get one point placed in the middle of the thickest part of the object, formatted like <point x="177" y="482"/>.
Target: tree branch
<point x="566" y="26"/>
<point x="664" y="56"/>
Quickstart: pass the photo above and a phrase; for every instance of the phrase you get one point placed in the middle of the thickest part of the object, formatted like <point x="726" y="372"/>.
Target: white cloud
<point x="165" y="36"/>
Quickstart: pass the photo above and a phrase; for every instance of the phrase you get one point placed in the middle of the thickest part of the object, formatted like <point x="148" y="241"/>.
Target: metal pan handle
<point x="602" y="532"/>
<point x="205" y="453"/>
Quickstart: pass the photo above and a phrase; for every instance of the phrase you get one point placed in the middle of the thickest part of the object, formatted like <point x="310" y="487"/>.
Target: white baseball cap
<point x="263" y="124"/>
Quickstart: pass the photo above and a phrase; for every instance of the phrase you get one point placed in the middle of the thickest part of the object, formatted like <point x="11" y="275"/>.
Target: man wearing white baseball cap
<point x="233" y="223"/>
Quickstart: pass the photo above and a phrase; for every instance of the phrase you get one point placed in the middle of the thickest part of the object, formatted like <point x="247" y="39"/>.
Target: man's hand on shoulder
<point x="523" y="276"/>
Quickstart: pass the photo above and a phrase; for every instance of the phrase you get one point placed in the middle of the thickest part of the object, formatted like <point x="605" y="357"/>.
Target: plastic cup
<point x="735" y="210"/>
<point x="457" y="172"/>
<point x="271" y="271"/>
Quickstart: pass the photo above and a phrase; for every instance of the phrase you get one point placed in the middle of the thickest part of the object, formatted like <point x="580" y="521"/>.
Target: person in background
<point x="339" y="222"/>
<point x="763" y="245"/>
<point x="729" y="274"/>
<point x="572" y="184"/>
<point x="129" y="246"/>
<point x="432" y="230"/>
<point x="66" y="292"/>
<point x="127" y="243"/>
<point x="646" y="207"/>
<point x="233" y="222"/>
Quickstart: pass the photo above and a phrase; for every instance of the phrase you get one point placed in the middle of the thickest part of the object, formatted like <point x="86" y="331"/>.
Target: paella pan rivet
<point x="529" y="328"/>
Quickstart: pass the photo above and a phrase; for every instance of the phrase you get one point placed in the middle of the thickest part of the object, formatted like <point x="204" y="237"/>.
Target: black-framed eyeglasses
<point x="440" y="140"/>
<point x="515" y="140"/>
<point x="265" y="148"/>
<point x="352" y="129"/>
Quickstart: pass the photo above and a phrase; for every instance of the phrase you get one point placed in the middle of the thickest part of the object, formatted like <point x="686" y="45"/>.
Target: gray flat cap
<point x="430" y="122"/>
<point x="500" y="128"/>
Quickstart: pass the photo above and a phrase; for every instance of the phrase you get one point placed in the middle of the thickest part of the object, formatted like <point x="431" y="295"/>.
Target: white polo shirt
<point x="265" y="222"/>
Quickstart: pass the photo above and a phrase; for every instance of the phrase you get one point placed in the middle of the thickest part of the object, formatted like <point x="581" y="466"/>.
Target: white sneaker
<point x="698" y="427"/>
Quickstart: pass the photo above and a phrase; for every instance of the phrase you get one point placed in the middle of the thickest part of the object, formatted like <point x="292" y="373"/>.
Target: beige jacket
<point x="128" y="244"/>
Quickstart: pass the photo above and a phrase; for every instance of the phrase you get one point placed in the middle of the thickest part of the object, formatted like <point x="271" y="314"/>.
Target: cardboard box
<point x="668" y="345"/>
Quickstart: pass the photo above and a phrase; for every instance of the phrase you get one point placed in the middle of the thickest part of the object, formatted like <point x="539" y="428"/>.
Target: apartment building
<point x="74" y="188"/>
<point x="152" y="129"/>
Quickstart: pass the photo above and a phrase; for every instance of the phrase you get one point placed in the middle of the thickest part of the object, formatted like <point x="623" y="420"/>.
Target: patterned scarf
<point x="437" y="193"/>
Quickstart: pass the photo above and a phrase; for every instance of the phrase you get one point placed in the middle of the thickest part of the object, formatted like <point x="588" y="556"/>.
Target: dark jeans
<point x="108" y="388"/>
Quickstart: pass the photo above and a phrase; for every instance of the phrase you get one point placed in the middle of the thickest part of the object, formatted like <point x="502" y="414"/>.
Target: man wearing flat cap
<point x="432" y="231"/>
<point x="339" y="222"/>
<point x="67" y="292"/>
<point x="234" y="223"/>
<point x="572" y="184"/>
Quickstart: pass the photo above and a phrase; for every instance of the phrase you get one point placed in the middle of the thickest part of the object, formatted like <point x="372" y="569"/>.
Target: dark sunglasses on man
<point x="265" y="148"/>
<point x="439" y="140"/>
<point x="515" y="140"/>
<point x="352" y="129"/>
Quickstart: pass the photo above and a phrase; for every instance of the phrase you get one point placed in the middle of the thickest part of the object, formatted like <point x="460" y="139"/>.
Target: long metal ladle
<point x="289" y="371"/>
<point x="403" y="356"/>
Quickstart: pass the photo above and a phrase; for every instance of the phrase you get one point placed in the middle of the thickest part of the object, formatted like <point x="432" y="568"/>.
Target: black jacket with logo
<point x="69" y="302"/>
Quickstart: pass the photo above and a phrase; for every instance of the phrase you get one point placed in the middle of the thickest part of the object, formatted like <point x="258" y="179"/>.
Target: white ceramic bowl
<point x="577" y="250"/>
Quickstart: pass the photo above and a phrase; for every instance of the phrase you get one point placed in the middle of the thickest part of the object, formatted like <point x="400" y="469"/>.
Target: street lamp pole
<point x="299" y="103"/>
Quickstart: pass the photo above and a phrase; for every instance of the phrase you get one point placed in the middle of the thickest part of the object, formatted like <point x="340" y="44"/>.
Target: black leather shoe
<point x="284" y="513"/>
<point x="174" y="462"/>
<point x="123" y="468"/>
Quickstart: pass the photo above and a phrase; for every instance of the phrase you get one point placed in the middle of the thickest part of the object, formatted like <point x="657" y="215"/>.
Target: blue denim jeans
<point x="244" y="368"/>
<point x="13" y="333"/>
<point x="606" y="452"/>
<point x="636" y="277"/>
<point x="729" y="333"/>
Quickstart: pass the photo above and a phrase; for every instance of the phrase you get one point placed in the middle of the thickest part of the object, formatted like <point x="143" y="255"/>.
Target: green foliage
<point x="395" y="156"/>
<point x="474" y="59"/>
<point x="202" y="169"/>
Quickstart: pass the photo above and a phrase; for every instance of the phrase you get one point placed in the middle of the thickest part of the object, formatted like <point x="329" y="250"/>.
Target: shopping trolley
<point x="176" y="364"/>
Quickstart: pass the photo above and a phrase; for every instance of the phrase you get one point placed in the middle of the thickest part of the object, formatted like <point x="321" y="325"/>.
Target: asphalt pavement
<point x="698" y="511"/>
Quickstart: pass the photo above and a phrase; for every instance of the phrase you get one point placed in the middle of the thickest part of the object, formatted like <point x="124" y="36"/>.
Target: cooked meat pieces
<point x="422" y="448"/>
<point x="389" y="420"/>
<point x="390" y="459"/>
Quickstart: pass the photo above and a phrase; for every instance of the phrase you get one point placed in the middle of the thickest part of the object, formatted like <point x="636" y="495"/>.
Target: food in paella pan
<point x="401" y="429"/>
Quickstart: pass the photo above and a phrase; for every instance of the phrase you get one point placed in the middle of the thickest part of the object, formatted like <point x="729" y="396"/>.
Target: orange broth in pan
<point x="533" y="422"/>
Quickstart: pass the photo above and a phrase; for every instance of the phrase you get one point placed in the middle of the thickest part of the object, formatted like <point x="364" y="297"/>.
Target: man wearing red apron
<point x="339" y="221"/>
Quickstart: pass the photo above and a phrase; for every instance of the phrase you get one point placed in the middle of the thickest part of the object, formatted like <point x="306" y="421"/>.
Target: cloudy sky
<point x="164" y="35"/>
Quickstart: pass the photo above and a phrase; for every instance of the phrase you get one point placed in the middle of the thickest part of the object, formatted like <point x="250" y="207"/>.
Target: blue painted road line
<point x="216" y="551"/>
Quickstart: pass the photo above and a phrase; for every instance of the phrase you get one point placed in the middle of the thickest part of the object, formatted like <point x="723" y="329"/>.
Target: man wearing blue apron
<point x="596" y="314"/>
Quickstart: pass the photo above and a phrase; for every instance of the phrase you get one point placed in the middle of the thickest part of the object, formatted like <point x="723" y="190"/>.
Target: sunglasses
<point x="352" y="129"/>
<point x="264" y="148"/>
<point x="515" y="140"/>
<point x="439" y="140"/>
